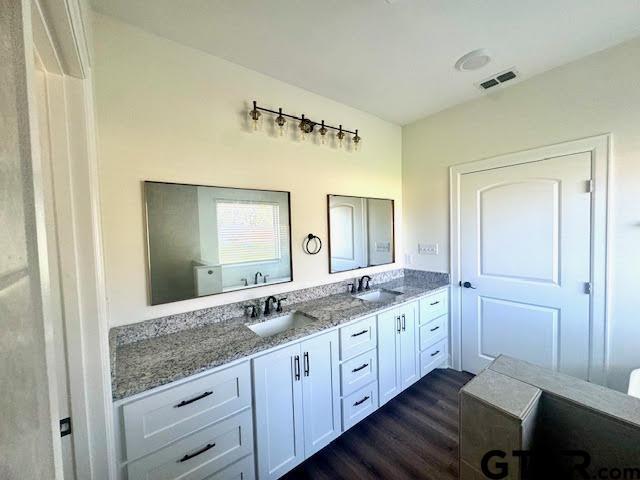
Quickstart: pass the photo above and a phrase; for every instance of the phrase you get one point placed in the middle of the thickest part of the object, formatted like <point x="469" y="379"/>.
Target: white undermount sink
<point x="281" y="323"/>
<point x="378" y="295"/>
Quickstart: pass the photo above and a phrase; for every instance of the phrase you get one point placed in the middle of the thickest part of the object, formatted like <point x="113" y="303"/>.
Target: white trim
<point x="600" y="148"/>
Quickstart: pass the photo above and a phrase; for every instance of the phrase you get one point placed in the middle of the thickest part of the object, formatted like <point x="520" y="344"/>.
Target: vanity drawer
<point x="358" y="405"/>
<point x="358" y="338"/>
<point x="358" y="372"/>
<point x="241" y="470"/>
<point x="158" y="419"/>
<point x="434" y="306"/>
<point x="201" y="454"/>
<point x="433" y="357"/>
<point x="433" y="331"/>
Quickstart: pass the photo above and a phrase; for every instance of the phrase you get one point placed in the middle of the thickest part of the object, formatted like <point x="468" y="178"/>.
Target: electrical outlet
<point x="427" y="249"/>
<point x="408" y="259"/>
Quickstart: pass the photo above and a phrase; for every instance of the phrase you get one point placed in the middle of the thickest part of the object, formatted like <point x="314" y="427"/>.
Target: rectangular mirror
<point x="361" y="232"/>
<point x="208" y="240"/>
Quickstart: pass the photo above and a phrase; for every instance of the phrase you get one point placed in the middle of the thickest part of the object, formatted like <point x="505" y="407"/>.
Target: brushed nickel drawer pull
<point x="435" y="353"/>
<point x="359" y="333"/>
<point x="360" y="368"/>
<point x="194" y="399"/>
<point x="434" y="328"/>
<point x="434" y="303"/>
<point x="189" y="457"/>
<point x="360" y="402"/>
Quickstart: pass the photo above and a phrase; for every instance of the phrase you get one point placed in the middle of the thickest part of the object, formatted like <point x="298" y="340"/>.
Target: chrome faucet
<point x="255" y="279"/>
<point x="361" y="282"/>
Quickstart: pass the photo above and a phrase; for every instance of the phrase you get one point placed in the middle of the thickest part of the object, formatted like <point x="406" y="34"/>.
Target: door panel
<point x="388" y="355"/>
<point x="525" y="248"/>
<point x="278" y="411"/>
<point x="320" y="385"/>
<point x="408" y="348"/>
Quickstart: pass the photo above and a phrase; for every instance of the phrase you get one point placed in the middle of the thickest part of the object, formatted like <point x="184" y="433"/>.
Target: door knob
<point x="466" y="285"/>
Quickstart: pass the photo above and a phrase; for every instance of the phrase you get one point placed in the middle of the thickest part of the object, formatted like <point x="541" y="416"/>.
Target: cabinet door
<point x="408" y="345"/>
<point x="277" y="389"/>
<point x="388" y="355"/>
<point x="320" y="391"/>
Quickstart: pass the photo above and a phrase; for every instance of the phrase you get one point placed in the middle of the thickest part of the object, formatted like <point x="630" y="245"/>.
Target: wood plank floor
<point x="414" y="436"/>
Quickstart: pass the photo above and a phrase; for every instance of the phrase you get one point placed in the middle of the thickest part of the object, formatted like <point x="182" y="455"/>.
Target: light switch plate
<point x="427" y="249"/>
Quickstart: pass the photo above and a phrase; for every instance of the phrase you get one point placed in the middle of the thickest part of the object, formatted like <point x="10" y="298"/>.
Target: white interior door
<point x="347" y="231"/>
<point x="525" y="251"/>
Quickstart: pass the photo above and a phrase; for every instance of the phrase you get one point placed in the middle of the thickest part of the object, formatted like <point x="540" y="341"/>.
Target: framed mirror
<point x="361" y="232"/>
<point x="207" y="240"/>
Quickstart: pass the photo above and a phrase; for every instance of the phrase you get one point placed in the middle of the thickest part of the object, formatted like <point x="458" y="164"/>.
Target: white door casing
<point x="536" y="275"/>
<point x="525" y="233"/>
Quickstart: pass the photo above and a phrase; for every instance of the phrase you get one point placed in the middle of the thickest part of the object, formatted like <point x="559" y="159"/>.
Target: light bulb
<point x="323" y="133"/>
<point x="255" y="116"/>
<point x="356" y="141"/>
<point x="281" y="122"/>
<point x="340" y="136"/>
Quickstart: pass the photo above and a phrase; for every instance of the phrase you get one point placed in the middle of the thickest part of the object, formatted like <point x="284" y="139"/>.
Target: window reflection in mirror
<point x="208" y="240"/>
<point x="361" y="232"/>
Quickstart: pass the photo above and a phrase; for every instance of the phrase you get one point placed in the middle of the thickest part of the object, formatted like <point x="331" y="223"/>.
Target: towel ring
<point x="307" y="241"/>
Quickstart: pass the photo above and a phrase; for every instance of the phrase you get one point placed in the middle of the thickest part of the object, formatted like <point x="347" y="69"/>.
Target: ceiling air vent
<point x="498" y="79"/>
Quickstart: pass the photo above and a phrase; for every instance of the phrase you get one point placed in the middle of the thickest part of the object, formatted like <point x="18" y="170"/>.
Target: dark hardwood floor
<point x="414" y="436"/>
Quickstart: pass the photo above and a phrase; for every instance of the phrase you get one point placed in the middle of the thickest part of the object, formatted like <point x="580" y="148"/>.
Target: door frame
<point x="600" y="147"/>
<point x="55" y="30"/>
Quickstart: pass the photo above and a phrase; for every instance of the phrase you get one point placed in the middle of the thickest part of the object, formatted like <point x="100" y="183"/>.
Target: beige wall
<point x="171" y="113"/>
<point x="595" y="95"/>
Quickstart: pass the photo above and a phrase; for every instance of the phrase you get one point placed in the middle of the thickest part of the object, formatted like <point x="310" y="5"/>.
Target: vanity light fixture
<point x="323" y="132"/>
<point x="255" y="116"/>
<point x="306" y="126"/>
<point x="340" y="136"/>
<point x="280" y="120"/>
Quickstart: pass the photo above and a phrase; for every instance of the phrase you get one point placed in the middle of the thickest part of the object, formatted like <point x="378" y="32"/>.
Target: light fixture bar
<point x="307" y="119"/>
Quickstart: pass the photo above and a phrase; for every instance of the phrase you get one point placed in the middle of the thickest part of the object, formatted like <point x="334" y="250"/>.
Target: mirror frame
<point x="393" y="230"/>
<point x="148" y="250"/>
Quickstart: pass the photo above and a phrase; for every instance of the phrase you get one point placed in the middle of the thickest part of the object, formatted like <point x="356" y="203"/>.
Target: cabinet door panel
<point x="278" y="411"/>
<point x="408" y="346"/>
<point x="320" y="391"/>
<point x="388" y="355"/>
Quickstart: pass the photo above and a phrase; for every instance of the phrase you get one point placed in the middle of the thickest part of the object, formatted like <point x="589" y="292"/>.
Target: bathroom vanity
<point x="229" y="400"/>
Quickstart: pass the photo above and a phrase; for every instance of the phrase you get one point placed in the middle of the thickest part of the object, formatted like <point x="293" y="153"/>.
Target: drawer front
<point x="433" y="331"/>
<point x="154" y="421"/>
<point x="434" y="306"/>
<point x="359" y="404"/>
<point x="433" y="357"/>
<point x="358" y="338"/>
<point x="358" y="372"/>
<point x="241" y="470"/>
<point x="200" y="455"/>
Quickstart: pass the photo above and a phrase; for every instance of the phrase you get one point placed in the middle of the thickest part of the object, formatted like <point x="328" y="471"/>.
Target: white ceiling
<point x="390" y="58"/>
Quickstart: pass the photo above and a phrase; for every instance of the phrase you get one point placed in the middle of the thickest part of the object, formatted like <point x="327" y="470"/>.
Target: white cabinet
<point x="320" y="385"/>
<point x="434" y="331"/>
<point x="397" y="352"/>
<point x="297" y="407"/>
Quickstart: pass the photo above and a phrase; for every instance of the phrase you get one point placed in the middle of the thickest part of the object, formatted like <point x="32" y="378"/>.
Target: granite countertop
<point x="157" y="361"/>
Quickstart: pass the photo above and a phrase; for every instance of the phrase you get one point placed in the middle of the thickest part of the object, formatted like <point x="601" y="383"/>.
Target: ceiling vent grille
<point x="498" y="79"/>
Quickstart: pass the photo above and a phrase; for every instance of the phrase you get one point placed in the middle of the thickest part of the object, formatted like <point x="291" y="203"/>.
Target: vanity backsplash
<point x="199" y="318"/>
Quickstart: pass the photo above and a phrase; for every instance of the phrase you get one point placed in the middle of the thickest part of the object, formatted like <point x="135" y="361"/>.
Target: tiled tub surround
<point x="157" y="352"/>
<point x="514" y="405"/>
